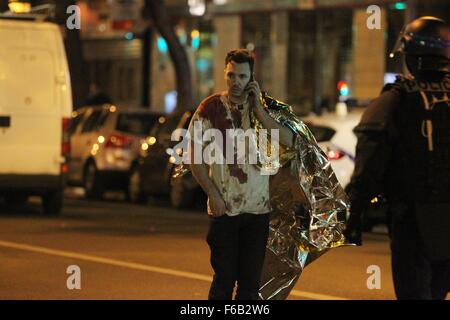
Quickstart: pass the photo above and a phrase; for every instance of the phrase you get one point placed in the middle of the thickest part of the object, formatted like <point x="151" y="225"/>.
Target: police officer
<point x="403" y="152"/>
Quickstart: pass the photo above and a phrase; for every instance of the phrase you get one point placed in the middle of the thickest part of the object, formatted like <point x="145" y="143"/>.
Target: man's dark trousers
<point x="238" y="246"/>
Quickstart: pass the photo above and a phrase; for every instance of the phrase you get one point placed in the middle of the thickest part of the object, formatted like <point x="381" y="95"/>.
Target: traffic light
<point x="343" y="88"/>
<point x="195" y="36"/>
<point x="400" y="6"/>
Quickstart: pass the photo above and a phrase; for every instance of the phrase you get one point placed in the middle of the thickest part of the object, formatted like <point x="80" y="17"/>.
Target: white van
<point x="35" y="110"/>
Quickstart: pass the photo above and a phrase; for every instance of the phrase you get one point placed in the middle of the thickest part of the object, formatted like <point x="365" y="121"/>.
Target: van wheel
<point x="52" y="202"/>
<point x="180" y="196"/>
<point x="92" y="184"/>
<point x="15" y="199"/>
<point x="133" y="191"/>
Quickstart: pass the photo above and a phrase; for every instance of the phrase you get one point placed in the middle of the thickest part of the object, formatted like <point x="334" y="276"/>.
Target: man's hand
<point x="286" y="137"/>
<point x="353" y="232"/>
<point x="217" y="204"/>
<point x="254" y="91"/>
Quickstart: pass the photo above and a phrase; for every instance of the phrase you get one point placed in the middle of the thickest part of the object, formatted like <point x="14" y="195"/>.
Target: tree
<point x="74" y="51"/>
<point x="156" y="9"/>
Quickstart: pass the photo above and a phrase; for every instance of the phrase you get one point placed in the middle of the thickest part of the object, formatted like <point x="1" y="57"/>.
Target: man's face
<point x="237" y="76"/>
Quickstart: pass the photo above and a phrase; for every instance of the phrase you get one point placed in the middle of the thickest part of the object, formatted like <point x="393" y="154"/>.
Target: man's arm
<point x="373" y="152"/>
<point x="200" y="173"/>
<point x="286" y="136"/>
<point x="372" y="156"/>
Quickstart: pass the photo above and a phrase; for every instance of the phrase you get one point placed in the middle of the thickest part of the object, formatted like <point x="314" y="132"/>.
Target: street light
<point x="19" y="6"/>
<point x="197" y="7"/>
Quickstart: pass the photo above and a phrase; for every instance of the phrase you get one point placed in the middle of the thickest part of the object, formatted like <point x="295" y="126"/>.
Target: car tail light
<point x="118" y="141"/>
<point x="64" y="168"/>
<point x="65" y="144"/>
<point x="334" y="154"/>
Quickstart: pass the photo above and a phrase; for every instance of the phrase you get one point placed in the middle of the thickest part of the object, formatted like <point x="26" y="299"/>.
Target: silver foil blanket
<point x="309" y="208"/>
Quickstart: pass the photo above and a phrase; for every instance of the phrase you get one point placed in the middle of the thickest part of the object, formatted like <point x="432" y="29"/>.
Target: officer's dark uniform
<point x="403" y="152"/>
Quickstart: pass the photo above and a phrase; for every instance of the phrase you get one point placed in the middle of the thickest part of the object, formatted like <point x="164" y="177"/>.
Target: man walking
<point x="238" y="193"/>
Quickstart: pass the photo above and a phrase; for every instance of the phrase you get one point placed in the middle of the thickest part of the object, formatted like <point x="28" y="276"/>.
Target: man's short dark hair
<point x="241" y="56"/>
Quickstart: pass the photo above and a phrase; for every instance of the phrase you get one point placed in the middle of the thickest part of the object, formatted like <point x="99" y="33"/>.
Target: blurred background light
<point x="170" y="101"/>
<point x="129" y="36"/>
<point x="162" y="45"/>
<point x="389" y="77"/>
<point x="400" y="6"/>
<point x="202" y="64"/>
<point x="19" y="6"/>
<point x="197" y="7"/>
<point x="195" y="43"/>
<point x="220" y="2"/>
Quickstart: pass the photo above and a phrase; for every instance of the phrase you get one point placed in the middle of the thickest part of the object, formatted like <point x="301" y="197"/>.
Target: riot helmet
<point x="425" y="43"/>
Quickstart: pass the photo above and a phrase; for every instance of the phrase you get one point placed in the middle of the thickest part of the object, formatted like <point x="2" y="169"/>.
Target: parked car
<point x="35" y="109"/>
<point x="340" y="148"/>
<point x="105" y="146"/>
<point x="156" y="166"/>
<point x="341" y="160"/>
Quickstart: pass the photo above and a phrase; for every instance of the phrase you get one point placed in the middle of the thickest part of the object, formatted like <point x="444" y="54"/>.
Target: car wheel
<point x="52" y="202"/>
<point x="133" y="192"/>
<point x="180" y="196"/>
<point x="92" y="183"/>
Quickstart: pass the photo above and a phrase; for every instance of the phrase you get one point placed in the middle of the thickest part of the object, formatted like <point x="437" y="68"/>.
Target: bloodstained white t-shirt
<point x="242" y="186"/>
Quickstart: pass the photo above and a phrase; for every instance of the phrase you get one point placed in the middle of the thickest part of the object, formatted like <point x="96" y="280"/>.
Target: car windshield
<point x="136" y="123"/>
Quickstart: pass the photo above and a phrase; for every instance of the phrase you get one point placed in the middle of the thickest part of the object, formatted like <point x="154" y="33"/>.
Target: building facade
<point x="115" y="40"/>
<point x="304" y="48"/>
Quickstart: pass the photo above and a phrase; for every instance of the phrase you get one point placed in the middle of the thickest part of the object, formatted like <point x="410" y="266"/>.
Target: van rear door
<point x="32" y="79"/>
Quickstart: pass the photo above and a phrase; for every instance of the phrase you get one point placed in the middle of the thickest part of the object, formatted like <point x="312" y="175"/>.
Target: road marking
<point x="114" y="262"/>
<point x="315" y="296"/>
<point x="142" y="267"/>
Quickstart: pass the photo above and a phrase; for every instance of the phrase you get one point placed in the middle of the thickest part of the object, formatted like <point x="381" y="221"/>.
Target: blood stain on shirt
<point x="237" y="172"/>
